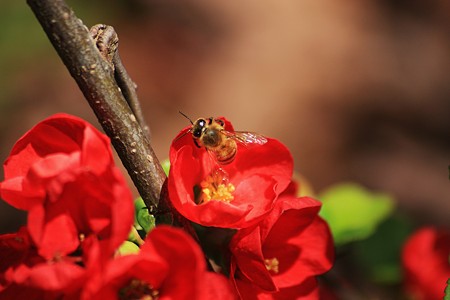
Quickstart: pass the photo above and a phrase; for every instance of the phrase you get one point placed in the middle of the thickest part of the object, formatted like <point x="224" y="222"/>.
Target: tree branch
<point x="97" y="69"/>
<point x="95" y="77"/>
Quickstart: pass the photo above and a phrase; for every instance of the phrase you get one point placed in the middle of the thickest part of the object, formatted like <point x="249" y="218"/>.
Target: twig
<point x="95" y="77"/>
<point x="128" y="88"/>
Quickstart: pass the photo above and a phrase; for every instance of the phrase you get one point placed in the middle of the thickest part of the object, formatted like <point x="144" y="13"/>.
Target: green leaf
<point x="139" y="204"/>
<point x="127" y="248"/>
<point x="354" y="212"/>
<point x="447" y="291"/>
<point x="166" y="166"/>
<point x="134" y="236"/>
<point x="142" y="217"/>
<point x="380" y="254"/>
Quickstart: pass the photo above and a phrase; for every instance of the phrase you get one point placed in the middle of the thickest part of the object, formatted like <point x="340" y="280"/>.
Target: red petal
<point x="248" y="256"/>
<point x="13" y="192"/>
<point x="61" y="276"/>
<point x="96" y="151"/>
<point x="308" y="254"/>
<point x="55" y="234"/>
<point x="308" y="290"/>
<point x="216" y="287"/>
<point x="271" y="159"/>
<point x="184" y="258"/>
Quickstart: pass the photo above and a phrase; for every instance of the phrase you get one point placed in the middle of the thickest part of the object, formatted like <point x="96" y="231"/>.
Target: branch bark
<point x="95" y="77"/>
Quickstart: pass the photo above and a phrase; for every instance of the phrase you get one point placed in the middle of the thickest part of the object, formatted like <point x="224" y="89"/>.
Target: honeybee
<point x="210" y="133"/>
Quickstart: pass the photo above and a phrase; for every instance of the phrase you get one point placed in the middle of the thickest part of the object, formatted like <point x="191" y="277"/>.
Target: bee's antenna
<point x="186" y="117"/>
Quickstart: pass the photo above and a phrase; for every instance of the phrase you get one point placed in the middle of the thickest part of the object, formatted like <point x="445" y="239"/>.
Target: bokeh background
<point x="358" y="90"/>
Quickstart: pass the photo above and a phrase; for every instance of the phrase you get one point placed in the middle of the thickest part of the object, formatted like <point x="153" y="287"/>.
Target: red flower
<point x="254" y="179"/>
<point x="62" y="172"/>
<point x="53" y="146"/>
<point x="283" y="253"/>
<point x="426" y="263"/>
<point x="26" y="275"/>
<point x="170" y="265"/>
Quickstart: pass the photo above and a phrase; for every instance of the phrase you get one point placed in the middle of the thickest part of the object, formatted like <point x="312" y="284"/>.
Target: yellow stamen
<point x="215" y="187"/>
<point x="272" y="264"/>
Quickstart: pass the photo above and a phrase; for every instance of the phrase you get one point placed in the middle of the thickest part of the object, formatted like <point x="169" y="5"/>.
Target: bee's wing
<point x="246" y="137"/>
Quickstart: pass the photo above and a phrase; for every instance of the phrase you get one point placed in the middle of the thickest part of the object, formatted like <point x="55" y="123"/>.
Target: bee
<point x="211" y="134"/>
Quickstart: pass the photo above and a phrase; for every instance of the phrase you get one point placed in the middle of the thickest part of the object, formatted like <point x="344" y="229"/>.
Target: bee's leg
<point x="196" y="144"/>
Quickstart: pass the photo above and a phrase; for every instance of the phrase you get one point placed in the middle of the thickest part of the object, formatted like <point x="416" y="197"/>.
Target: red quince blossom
<point x="26" y="275"/>
<point x="62" y="172"/>
<point x="170" y="265"/>
<point x="426" y="263"/>
<point x="280" y="256"/>
<point x="256" y="177"/>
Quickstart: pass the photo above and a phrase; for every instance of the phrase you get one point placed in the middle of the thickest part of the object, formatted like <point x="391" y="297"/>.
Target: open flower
<point x="54" y="146"/>
<point x="426" y="263"/>
<point x="62" y="172"/>
<point x="283" y="253"/>
<point x="170" y="265"/>
<point x="235" y="195"/>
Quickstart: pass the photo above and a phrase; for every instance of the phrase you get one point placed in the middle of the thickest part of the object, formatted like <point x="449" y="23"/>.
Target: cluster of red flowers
<point x="80" y="210"/>
<point x="252" y="226"/>
<point x="278" y="243"/>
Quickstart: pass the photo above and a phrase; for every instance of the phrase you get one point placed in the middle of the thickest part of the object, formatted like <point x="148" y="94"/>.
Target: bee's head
<point x="198" y="127"/>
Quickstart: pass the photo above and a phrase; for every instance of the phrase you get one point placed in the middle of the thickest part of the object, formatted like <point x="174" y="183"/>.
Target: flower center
<point x="216" y="187"/>
<point x="138" y="290"/>
<point x="272" y="264"/>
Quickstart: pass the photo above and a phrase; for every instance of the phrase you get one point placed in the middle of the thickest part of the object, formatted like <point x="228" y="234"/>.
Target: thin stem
<point x="128" y="88"/>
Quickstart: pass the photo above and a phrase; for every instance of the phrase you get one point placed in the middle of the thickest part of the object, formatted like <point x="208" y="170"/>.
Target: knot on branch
<point x="106" y="40"/>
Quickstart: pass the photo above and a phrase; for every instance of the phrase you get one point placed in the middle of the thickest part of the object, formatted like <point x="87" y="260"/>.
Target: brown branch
<point x="95" y="77"/>
<point x="97" y="69"/>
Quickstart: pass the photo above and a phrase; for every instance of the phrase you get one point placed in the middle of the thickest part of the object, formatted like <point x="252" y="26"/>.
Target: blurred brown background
<point x="358" y="90"/>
